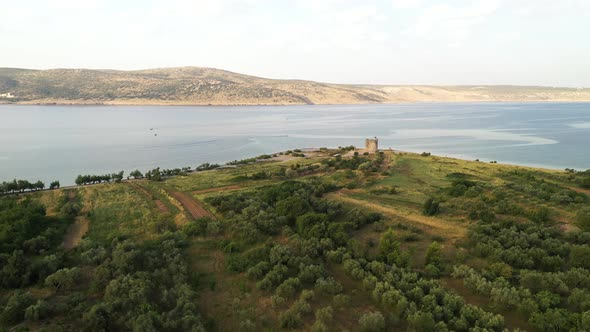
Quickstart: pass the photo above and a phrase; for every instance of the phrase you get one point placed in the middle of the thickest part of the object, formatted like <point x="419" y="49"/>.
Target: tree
<point x="311" y="224"/>
<point x="319" y="326"/>
<point x="324" y="314"/>
<point x="341" y="300"/>
<point x="37" y="311"/>
<point x="553" y="320"/>
<point x="540" y="215"/>
<point x="65" y="278"/>
<point x="372" y="322"/>
<point x="54" y="185"/>
<point x="98" y="318"/>
<point x="389" y="247"/>
<point x="583" y="218"/>
<point x="117" y="177"/>
<point x="328" y="286"/>
<point x="421" y="321"/>
<point x="16" y="271"/>
<point x="14" y="310"/>
<point x="136" y="174"/>
<point x="431" y="207"/>
<point x="434" y="254"/>
<point x="288" y="288"/>
<point x="39" y="185"/>
<point x="290" y="319"/>
<point x="580" y="256"/>
<point x="292" y="207"/>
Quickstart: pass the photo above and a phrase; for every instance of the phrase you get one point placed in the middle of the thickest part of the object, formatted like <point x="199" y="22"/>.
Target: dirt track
<point x="213" y="190"/>
<point x="193" y="206"/>
<point x="75" y="232"/>
<point x="144" y="191"/>
<point x="79" y="228"/>
<point x="435" y="224"/>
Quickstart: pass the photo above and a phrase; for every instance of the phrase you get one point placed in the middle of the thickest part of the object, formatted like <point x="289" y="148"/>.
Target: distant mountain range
<point x="208" y="86"/>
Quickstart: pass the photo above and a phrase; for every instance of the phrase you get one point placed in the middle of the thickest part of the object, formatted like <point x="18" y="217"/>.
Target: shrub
<point x="372" y="322"/>
<point x="434" y="254"/>
<point x="583" y="218"/>
<point x="247" y="326"/>
<point x="421" y="321"/>
<point x="14" y="310"/>
<point x="580" y="256"/>
<point x="328" y="286"/>
<point x="277" y="301"/>
<point x="65" y="278"/>
<point x="37" y="311"/>
<point x="341" y="300"/>
<point x="324" y="314"/>
<point x="290" y="319"/>
<point x="540" y="215"/>
<point x="288" y="288"/>
<point x="319" y="326"/>
<point x="431" y="207"/>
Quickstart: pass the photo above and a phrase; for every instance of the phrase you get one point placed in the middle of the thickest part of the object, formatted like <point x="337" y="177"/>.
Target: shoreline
<point x="188" y="104"/>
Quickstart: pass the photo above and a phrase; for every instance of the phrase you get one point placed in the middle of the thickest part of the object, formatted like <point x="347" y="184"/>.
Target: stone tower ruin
<point x="372" y="145"/>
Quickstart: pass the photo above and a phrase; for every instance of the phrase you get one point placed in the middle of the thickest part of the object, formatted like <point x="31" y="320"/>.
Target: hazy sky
<point x="543" y="42"/>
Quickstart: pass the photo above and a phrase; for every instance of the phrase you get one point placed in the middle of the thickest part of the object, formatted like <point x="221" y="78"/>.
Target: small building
<point x="7" y="95"/>
<point x="372" y="145"/>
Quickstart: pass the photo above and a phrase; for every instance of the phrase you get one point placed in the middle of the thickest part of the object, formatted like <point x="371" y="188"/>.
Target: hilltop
<point x="323" y="240"/>
<point x="208" y="86"/>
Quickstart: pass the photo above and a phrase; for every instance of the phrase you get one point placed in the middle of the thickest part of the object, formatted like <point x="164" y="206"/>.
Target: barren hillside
<point x="207" y="86"/>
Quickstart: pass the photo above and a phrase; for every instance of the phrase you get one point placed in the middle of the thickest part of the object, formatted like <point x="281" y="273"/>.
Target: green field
<point x="316" y="243"/>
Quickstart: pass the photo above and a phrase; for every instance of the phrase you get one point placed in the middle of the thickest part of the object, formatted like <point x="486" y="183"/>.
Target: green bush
<point x="341" y="300"/>
<point x="583" y="218"/>
<point x="431" y="207"/>
<point x="14" y="310"/>
<point x="66" y="278"/>
<point x="372" y="322"/>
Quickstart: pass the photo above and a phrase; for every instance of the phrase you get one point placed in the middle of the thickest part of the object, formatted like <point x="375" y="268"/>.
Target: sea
<point x="50" y="143"/>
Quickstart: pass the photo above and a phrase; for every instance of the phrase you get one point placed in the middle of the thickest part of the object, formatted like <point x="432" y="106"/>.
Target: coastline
<point x="193" y="104"/>
<point x="316" y="150"/>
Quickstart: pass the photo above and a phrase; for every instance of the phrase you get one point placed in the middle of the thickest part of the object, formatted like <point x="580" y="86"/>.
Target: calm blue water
<point x="59" y="142"/>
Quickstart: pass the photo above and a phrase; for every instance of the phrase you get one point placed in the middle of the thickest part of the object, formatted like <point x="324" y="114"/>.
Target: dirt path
<point x="75" y="232"/>
<point x="580" y="190"/>
<point x="433" y="224"/>
<point x="79" y="228"/>
<point x="194" y="207"/>
<point x="161" y="206"/>
<point x="213" y="190"/>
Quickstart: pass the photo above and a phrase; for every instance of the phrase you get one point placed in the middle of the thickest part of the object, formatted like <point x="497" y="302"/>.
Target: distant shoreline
<point x="199" y="86"/>
<point x="84" y="103"/>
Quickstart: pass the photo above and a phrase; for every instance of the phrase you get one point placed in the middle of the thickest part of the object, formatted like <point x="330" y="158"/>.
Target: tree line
<point x="93" y="179"/>
<point x="19" y="186"/>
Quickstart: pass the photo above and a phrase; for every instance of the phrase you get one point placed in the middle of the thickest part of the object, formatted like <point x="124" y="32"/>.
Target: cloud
<point x="406" y="4"/>
<point x="451" y="22"/>
<point x="332" y="25"/>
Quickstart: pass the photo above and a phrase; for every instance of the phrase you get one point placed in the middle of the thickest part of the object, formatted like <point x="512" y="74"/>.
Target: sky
<point x="524" y="42"/>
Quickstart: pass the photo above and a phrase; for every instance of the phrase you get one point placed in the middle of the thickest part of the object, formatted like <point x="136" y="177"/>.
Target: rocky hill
<point x="208" y="86"/>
